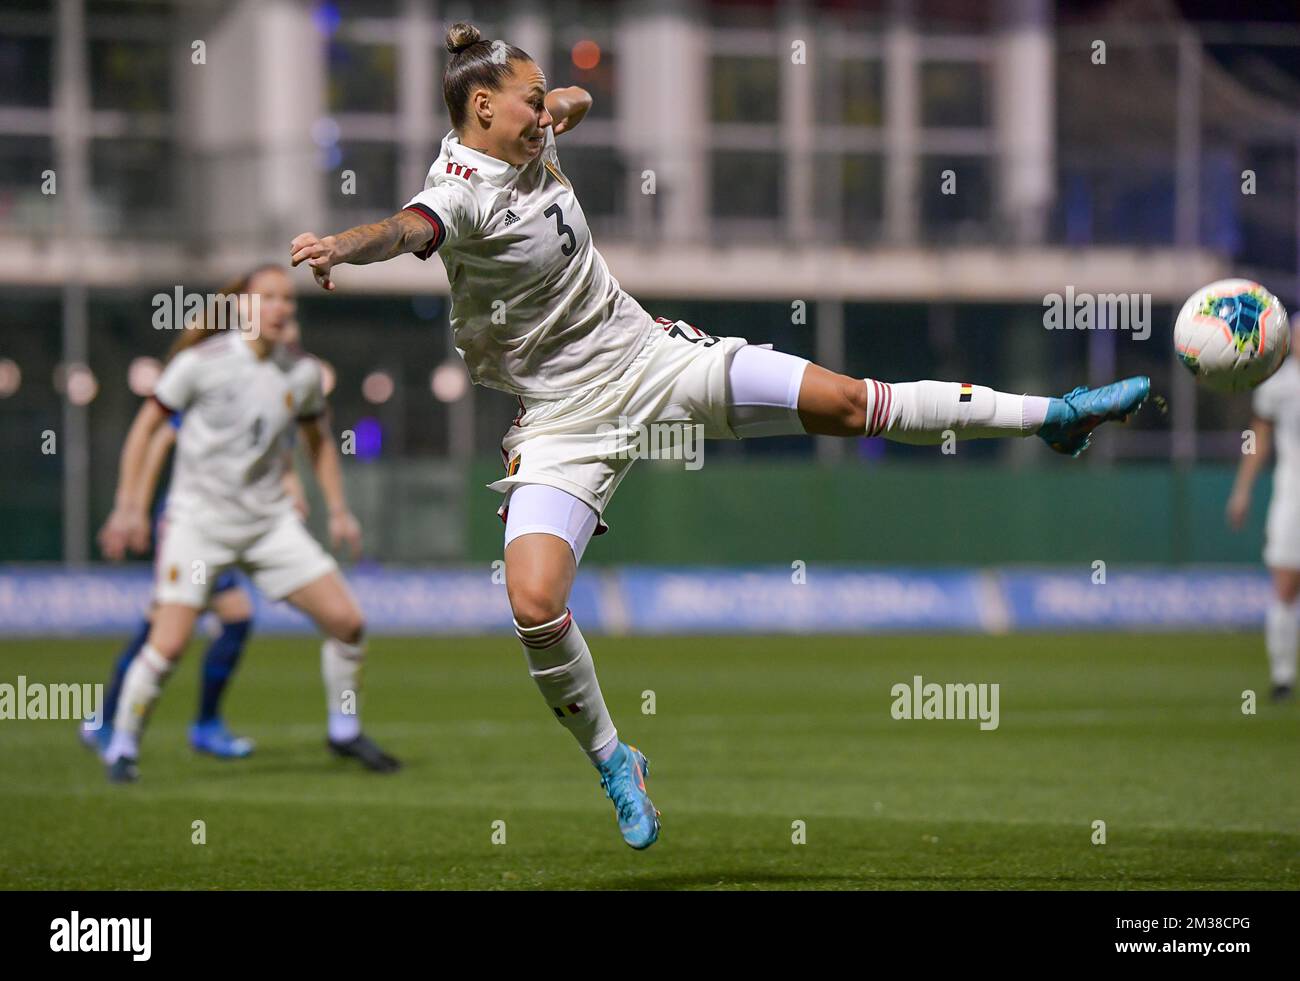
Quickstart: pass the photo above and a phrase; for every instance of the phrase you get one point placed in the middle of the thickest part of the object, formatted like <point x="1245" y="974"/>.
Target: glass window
<point x="375" y="165"/>
<point x="954" y="93"/>
<point x="969" y="202"/>
<point x="26" y="71"/>
<point x="746" y="90"/>
<point x="23" y="208"/>
<point x="752" y="14"/>
<point x="130" y="75"/>
<point x="955" y="15"/>
<point x="22" y="159"/>
<point x="598" y="176"/>
<point x="851" y="93"/>
<point x="362" y="77"/>
<point x="839" y="15"/>
<point x="1128" y="200"/>
<point x="850" y="191"/>
<point x="133" y="180"/>
<point x="147" y="12"/>
<point x="747" y="184"/>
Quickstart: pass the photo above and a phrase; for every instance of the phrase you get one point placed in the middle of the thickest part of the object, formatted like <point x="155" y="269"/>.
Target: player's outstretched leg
<point x="98" y="739"/>
<point x="926" y="411"/>
<point x="208" y="734"/>
<point x="172" y="625"/>
<point x="546" y="533"/>
<point x="329" y="602"/>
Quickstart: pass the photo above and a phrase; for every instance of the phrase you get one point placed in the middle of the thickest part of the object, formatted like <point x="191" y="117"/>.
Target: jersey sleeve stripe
<point x="439" y="229"/>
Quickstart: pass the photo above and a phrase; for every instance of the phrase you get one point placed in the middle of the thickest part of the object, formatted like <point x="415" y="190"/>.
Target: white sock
<point x="922" y="411"/>
<point x="1281" y="635"/>
<point x="565" y="674"/>
<point x="340" y="668"/>
<point x="140" y="690"/>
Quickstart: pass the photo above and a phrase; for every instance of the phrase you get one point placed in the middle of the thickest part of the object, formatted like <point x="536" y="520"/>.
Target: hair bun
<point x="461" y="35"/>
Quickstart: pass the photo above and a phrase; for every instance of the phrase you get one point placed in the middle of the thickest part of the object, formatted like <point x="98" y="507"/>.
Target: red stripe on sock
<point x="551" y="637"/>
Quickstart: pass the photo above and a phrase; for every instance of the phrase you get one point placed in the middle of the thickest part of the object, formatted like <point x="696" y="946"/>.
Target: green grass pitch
<point x="748" y="736"/>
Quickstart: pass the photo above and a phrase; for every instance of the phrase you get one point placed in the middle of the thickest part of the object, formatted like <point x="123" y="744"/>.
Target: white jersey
<point x="534" y="309"/>
<point x="1278" y="401"/>
<point x="239" y="415"/>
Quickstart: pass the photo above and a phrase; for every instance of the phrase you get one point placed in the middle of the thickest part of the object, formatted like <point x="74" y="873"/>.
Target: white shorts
<point x="584" y="444"/>
<point x="279" y="560"/>
<point x="1282" y="532"/>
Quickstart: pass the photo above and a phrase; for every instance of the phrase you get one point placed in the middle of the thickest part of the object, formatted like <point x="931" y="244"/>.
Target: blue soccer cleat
<point x="1071" y="419"/>
<point x="214" y="739"/>
<point x="96" y="740"/>
<point x="623" y="777"/>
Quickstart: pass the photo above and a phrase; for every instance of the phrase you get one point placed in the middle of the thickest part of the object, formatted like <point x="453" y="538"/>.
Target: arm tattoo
<point x="403" y="232"/>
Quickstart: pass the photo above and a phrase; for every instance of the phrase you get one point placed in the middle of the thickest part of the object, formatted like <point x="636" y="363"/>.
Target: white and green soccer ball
<point x="1232" y="335"/>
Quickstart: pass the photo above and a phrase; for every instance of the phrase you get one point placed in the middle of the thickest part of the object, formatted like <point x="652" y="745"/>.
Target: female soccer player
<point x="242" y="391"/>
<point x="535" y="312"/>
<point x="1276" y="423"/>
<point x="230" y="603"/>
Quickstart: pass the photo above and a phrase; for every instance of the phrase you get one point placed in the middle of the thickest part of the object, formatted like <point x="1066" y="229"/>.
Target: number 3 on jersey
<point x="562" y="229"/>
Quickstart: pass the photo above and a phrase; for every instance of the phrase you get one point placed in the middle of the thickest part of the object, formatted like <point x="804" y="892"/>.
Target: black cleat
<point x="363" y="749"/>
<point x="123" y="770"/>
<point x="1282" y="693"/>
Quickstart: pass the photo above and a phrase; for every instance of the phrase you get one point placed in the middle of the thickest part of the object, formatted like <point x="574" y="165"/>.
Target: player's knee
<point x="349" y="626"/>
<point x="169" y="647"/>
<point x="233" y="606"/>
<point x="534" y="605"/>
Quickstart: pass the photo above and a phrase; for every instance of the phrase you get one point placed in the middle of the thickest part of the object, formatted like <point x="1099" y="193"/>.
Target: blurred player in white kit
<point x="1276" y="424"/>
<point x="242" y="392"/>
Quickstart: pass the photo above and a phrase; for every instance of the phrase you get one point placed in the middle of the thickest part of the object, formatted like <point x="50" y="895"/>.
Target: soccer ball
<point x="1232" y="334"/>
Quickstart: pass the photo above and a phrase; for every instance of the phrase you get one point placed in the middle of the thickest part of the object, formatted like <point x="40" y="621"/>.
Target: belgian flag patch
<point x="513" y="467"/>
<point x="967" y="390"/>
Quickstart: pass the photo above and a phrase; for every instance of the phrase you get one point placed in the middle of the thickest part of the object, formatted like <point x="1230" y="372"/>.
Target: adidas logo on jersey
<point x="511" y="218"/>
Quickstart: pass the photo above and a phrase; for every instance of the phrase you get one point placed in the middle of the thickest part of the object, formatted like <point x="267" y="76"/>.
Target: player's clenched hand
<point x="123" y="530"/>
<point x="318" y="253"/>
<point x="345" y="530"/>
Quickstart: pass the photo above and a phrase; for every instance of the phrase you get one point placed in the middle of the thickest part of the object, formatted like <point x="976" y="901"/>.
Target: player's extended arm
<point x="1248" y="470"/>
<point x="403" y="232"/>
<point x="325" y="464"/>
<point x="128" y="525"/>
<point x="567" y="107"/>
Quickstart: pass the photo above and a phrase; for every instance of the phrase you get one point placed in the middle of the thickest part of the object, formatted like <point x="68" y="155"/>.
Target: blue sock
<point x="123" y="662"/>
<point x="218" y="665"/>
